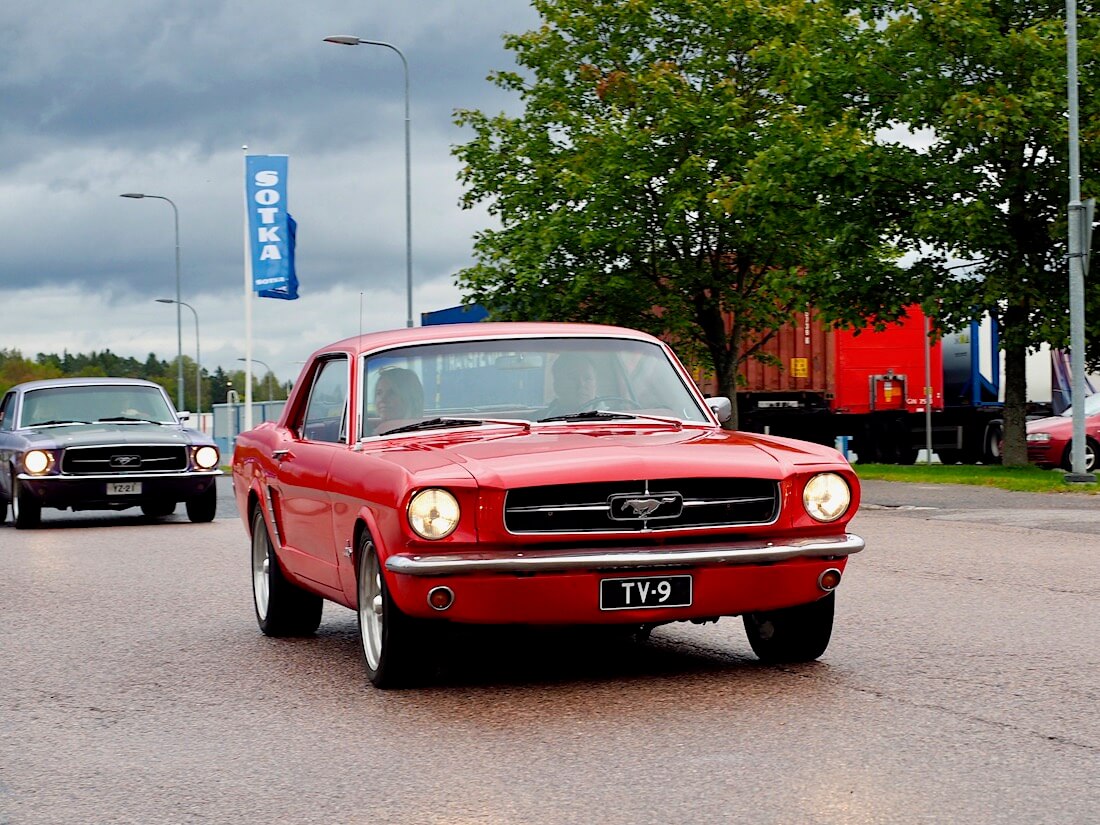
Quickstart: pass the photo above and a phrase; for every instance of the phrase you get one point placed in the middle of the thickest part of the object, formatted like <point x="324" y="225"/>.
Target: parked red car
<point x="1049" y="439"/>
<point x="546" y="474"/>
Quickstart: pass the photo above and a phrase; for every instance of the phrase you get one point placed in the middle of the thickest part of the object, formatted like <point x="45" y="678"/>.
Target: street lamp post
<point x="179" y="303"/>
<point x="270" y="395"/>
<point x="1077" y="211"/>
<point x="357" y="41"/>
<point x="198" y="355"/>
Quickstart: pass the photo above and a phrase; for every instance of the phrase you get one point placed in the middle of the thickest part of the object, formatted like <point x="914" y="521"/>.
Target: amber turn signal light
<point x="440" y="598"/>
<point x="829" y="580"/>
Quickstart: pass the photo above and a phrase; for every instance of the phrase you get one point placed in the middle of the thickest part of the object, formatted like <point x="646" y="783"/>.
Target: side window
<point x="7" y="412"/>
<point x="327" y="411"/>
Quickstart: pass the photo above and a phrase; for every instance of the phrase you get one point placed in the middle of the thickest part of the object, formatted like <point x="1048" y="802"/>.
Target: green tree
<point x="706" y="158"/>
<point x="15" y="369"/>
<point x="984" y="83"/>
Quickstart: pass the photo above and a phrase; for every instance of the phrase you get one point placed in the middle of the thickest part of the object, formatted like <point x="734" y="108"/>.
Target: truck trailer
<point x="879" y="393"/>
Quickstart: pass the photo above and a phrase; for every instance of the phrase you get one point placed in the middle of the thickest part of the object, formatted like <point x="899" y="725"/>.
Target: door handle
<point x="279" y="455"/>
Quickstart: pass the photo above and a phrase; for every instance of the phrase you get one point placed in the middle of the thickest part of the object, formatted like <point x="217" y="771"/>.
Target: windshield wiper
<point x="606" y="415"/>
<point x="444" y="423"/>
<point x="127" y="418"/>
<point x="590" y="415"/>
<point x="432" y="424"/>
<point x="58" y="423"/>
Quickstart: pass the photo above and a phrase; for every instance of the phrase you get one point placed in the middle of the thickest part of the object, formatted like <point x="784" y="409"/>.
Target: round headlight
<point x="36" y="461"/>
<point x="206" y="457"/>
<point x="433" y="514"/>
<point x="826" y="497"/>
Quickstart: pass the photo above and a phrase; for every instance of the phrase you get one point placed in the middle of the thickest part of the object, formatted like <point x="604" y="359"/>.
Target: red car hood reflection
<point x="519" y="459"/>
<point x="1055" y="425"/>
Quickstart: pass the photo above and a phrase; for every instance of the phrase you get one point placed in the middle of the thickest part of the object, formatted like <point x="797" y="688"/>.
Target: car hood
<point x="106" y="434"/>
<point x="562" y="456"/>
<point x="1053" y="424"/>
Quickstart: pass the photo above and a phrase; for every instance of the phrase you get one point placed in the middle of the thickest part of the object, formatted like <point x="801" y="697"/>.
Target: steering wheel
<point x="612" y="402"/>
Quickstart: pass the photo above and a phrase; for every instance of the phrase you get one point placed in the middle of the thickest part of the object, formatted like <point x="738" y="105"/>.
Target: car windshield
<point x="1092" y="406"/>
<point x="528" y="380"/>
<point x="55" y="406"/>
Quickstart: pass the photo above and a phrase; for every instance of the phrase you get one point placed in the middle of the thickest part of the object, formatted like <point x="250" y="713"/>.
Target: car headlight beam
<point x="433" y="514"/>
<point x="826" y="497"/>
<point x="206" y="457"/>
<point x="37" y="462"/>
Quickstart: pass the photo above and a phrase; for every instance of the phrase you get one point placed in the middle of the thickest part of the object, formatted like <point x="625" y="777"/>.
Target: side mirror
<point x="183" y="415"/>
<point x="721" y="407"/>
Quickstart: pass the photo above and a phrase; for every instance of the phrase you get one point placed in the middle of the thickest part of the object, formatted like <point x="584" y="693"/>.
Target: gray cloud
<point x="99" y="98"/>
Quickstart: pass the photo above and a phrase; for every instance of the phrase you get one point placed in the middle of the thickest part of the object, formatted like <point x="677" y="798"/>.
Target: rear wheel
<point x="793" y="634"/>
<point x="387" y="636"/>
<point x="202" y="507"/>
<point x="26" y="510"/>
<point x="282" y="608"/>
<point x="993" y="442"/>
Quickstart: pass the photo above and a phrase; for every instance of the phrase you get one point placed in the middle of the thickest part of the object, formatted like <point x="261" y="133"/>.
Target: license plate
<point x="645" y="591"/>
<point x="123" y="488"/>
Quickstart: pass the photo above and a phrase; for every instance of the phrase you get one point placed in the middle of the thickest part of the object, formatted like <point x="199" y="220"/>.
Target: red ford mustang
<point x="552" y="474"/>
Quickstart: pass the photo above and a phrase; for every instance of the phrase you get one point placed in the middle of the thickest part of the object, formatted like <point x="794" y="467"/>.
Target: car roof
<point x="83" y="382"/>
<point x="495" y="329"/>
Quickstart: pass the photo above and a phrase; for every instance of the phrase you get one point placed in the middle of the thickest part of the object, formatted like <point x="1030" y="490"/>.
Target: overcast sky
<point x="101" y="97"/>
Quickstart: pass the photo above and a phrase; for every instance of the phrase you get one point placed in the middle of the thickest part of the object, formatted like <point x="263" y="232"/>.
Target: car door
<point x="301" y="478"/>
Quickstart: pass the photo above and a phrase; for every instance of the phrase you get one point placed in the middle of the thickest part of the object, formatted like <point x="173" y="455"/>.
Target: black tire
<point x="1091" y="450"/>
<point x="282" y="608"/>
<point x="388" y="639"/>
<point x="202" y="507"/>
<point x="158" y="509"/>
<point x="26" y="510"/>
<point x="993" y="442"/>
<point x="793" y="634"/>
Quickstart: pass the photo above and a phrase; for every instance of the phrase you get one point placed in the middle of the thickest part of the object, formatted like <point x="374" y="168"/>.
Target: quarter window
<point x="326" y="413"/>
<point x="7" y="412"/>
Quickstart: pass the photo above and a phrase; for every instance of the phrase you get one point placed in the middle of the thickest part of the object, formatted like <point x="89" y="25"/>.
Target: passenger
<point x="574" y="378"/>
<point x="398" y="398"/>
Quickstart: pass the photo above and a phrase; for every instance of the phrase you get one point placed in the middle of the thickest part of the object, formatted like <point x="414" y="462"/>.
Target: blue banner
<point x="270" y="231"/>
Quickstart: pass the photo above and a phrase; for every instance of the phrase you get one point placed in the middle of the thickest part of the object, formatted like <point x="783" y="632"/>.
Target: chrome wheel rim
<point x="261" y="569"/>
<point x="1090" y="458"/>
<point x="370" y="607"/>
<point x="14" y="501"/>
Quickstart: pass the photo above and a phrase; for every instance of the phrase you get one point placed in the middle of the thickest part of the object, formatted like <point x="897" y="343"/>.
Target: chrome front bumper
<point x="554" y="561"/>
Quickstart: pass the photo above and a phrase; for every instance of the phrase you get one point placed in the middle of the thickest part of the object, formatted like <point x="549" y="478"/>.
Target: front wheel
<point x="793" y="634"/>
<point x="26" y="510"/>
<point x="1091" y="449"/>
<point x="282" y="608"/>
<point x="387" y="636"/>
<point x="158" y="509"/>
<point x="202" y="507"/>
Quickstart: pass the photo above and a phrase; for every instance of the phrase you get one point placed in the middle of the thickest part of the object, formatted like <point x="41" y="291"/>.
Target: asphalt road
<point x="961" y="686"/>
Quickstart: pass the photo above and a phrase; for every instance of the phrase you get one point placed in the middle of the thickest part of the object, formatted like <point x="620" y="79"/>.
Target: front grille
<point x="123" y="459"/>
<point x="622" y="506"/>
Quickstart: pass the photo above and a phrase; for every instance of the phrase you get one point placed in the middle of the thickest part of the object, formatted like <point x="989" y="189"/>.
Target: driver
<point x="574" y="379"/>
<point x="398" y="397"/>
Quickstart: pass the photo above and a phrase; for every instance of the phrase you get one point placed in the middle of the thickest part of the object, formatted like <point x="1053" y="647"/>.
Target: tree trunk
<point x="1015" y="415"/>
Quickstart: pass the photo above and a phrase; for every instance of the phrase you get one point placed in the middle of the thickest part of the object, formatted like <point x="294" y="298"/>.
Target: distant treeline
<point x="15" y="369"/>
